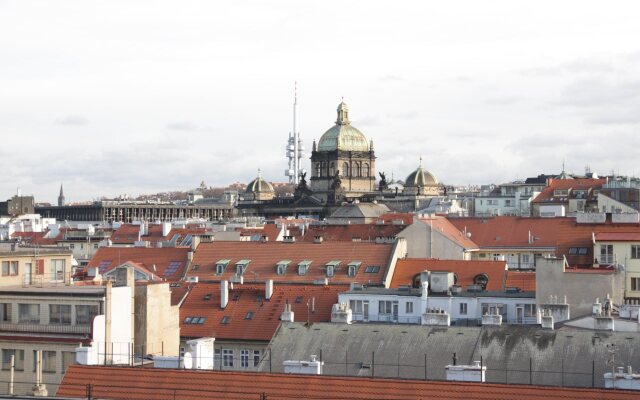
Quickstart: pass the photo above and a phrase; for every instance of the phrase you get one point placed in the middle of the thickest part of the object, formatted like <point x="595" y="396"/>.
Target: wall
<point x="422" y="244"/>
<point x="581" y="288"/>
<point x="157" y="325"/>
<point x="622" y="255"/>
<point x="27" y="260"/>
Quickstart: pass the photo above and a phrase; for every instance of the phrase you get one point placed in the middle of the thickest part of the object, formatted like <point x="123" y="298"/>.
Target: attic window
<point x="482" y="280"/>
<point x="207" y="296"/>
<point x="303" y="267"/>
<point x="236" y="297"/>
<point x="331" y="267"/>
<point x="225" y="320"/>
<point x="187" y="320"/>
<point x="298" y="299"/>
<point x="195" y="267"/>
<point x="352" y="268"/>
<point x="259" y="298"/>
<point x="249" y="315"/>
<point x="372" y="269"/>
<point x="172" y="268"/>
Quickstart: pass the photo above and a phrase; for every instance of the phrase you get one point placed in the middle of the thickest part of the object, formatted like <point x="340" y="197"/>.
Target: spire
<point x="61" y="197"/>
<point x="420" y="161"/>
<point x="259" y="173"/>
<point x="343" y="114"/>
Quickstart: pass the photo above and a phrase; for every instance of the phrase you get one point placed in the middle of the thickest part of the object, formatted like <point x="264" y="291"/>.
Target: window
<point x="635" y="284"/>
<point x="606" y="254"/>
<point x="249" y="315"/>
<point x="72" y="246"/>
<point x="582" y="251"/>
<point x="318" y="167"/>
<point x="256" y="358"/>
<point x="526" y="258"/>
<point x="345" y="169"/>
<point x="95" y="245"/>
<point x="244" y="358"/>
<point x="225" y="320"/>
<point x="68" y="358"/>
<point x="573" y="250"/>
<point x="57" y="270"/>
<point x="227" y="357"/>
<point x="18" y="360"/>
<point x="352" y="270"/>
<point x="330" y="270"/>
<point x="5" y="312"/>
<point x="635" y="251"/>
<point x="408" y="307"/>
<point x="48" y="361"/>
<point x="60" y="314"/>
<point x="29" y="313"/>
<point x="463" y="308"/>
<point x="372" y="269"/>
<point x="9" y="268"/>
<point x="365" y="170"/>
<point x="490" y="309"/>
<point x="220" y="269"/>
<point x="332" y="169"/>
<point x="388" y="307"/>
<point x="529" y="310"/>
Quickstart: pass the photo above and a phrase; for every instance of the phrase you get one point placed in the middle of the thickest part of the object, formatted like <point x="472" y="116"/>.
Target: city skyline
<point x="108" y="101"/>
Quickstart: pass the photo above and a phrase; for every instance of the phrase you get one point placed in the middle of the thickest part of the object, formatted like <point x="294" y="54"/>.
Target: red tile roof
<point x="547" y="195"/>
<point x="271" y="231"/>
<point x="168" y="384"/>
<point x="204" y="301"/>
<point x="265" y="256"/>
<point x="407" y="269"/>
<point x="364" y="232"/>
<point x="558" y="234"/>
<point x="169" y="262"/>
<point x="128" y="233"/>
<point x="449" y="230"/>
<point x="391" y="218"/>
<point x="618" y="236"/>
<point x="525" y="280"/>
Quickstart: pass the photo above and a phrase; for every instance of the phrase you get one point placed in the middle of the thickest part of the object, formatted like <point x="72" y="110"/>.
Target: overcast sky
<point x="113" y="97"/>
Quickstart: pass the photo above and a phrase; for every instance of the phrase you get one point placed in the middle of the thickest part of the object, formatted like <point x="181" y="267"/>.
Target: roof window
<point x="249" y="315"/>
<point x="225" y="320"/>
<point x="372" y="269"/>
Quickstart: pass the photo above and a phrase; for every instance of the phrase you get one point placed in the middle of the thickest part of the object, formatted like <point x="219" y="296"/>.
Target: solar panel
<point x="172" y="268"/>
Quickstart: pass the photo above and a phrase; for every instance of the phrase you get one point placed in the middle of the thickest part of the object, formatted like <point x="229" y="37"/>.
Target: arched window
<point x="318" y="169"/>
<point x="482" y="280"/>
<point x="332" y="169"/>
<point x="365" y="170"/>
<point x="345" y="169"/>
<point x="358" y="171"/>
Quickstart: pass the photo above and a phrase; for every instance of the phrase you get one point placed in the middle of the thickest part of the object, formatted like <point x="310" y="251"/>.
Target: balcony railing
<point x="45" y="328"/>
<point x="607" y="259"/>
<point x="46" y="280"/>
<point x="386" y="318"/>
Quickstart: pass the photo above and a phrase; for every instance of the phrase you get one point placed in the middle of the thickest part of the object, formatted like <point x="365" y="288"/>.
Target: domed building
<point x="259" y="189"/>
<point x="343" y="161"/>
<point x="421" y="183"/>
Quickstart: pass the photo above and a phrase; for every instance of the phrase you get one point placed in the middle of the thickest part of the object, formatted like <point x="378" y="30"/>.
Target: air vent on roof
<point x="288" y="239"/>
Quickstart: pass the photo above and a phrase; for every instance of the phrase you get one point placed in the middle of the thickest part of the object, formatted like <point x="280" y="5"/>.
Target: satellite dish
<point x="188" y="361"/>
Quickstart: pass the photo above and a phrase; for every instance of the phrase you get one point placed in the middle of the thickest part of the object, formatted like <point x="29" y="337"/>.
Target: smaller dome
<point x="259" y="185"/>
<point x="259" y="189"/>
<point x="420" y="178"/>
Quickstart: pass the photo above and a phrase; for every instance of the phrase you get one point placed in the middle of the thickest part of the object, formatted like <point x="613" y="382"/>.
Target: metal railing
<point x="45" y="328"/>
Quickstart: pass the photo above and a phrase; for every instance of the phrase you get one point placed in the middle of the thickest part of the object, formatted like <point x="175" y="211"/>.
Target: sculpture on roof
<point x="383" y="185"/>
<point x="337" y="182"/>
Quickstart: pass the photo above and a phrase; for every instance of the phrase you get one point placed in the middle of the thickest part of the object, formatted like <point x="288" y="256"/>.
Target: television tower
<point x="294" y="150"/>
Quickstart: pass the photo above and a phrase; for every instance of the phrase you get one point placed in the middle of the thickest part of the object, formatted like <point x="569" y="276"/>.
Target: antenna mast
<point x="295" y="149"/>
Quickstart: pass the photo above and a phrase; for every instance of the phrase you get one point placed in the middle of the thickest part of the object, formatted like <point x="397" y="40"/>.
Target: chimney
<point x="268" y="290"/>
<point x="224" y="294"/>
<point x="287" y="314"/>
<point x="166" y="228"/>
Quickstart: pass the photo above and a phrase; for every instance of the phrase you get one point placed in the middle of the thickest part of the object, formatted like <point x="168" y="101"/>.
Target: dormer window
<point x="241" y="267"/>
<point x="303" y="267"/>
<point x="332" y="266"/>
<point x="281" y="267"/>
<point x="221" y="265"/>
<point x="352" y="268"/>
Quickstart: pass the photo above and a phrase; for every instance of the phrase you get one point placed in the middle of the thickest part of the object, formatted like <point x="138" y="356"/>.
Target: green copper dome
<point x="343" y="136"/>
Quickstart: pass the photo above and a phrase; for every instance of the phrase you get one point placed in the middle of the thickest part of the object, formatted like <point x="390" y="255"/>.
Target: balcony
<point x="606" y="259"/>
<point x="45" y="328"/>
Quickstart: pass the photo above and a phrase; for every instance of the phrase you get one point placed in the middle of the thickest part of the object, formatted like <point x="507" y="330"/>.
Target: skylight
<point x="249" y="315"/>
<point x="172" y="268"/>
<point x="225" y="320"/>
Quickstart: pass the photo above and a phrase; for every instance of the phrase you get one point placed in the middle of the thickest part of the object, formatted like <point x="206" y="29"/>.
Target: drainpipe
<point x="13" y="367"/>
<point x="107" y="323"/>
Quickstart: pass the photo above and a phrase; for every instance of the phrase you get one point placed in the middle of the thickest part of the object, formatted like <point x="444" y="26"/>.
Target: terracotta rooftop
<point x="248" y="315"/>
<point x="169" y="262"/>
<point x="165" y="384"/>
<point x="409" y="268"/>
<point x="548" y="196"/>
<point x="618" y="236"/>
<point x="525" y="280"/>
<point x="394" y="218"/>
<point x="352" y="232"/>
<point x="271" y="231"/>
<point x="128" y="234"/>
<point x="264" y="258"/>
<point x="564" y="236"/>
<point x="450" y="230"/>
